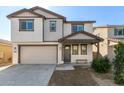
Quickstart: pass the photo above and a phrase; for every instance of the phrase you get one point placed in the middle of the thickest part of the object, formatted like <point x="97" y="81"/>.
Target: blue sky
<point x="102" y="15"/>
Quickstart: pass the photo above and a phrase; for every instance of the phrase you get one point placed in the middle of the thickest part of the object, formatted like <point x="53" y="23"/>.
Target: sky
<point x="103" y="15"/>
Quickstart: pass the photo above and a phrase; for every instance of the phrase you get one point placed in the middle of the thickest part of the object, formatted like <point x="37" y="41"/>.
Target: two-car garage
<point x="41" y="54"/>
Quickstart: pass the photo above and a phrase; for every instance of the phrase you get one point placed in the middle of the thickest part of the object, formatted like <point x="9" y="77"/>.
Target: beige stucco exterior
<point x="88" y="27"/>
<point x="103" y="49"/>
<point x="47" y="15"/>
<point x="67" y="29"/>
<point x="43" y="36"/>
<point x="26" y="14"/>
<point x="88" y="57"/>
<point x="80" y="36"/>
<point x="111" y="54"/>
<point x="110" y="40"/>
<point x="53" y="36"/>
<point x="26" y="36"/>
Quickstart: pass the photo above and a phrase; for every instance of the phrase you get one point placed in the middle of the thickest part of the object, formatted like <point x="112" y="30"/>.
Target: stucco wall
<point x="26" y="14"/>
<point x="111" y="53"/>
<point x="111" y="33"/>
<point x="80" y="36"/>
<point x="67" y="29"/>
<point x="15" y="53"/>
<point x="47" y="15"/>
<point x="103" y="46"/>
<point x="60" y="61"/>
<point x="88" y="27"/>
<point x="53" y="36"/>
<point x="27" y="36"/>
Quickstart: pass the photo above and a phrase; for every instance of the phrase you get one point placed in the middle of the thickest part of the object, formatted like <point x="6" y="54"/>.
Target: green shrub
<point x="118" y="63"/>
<point x="119" y="79"/>
<point x="101" y="65"/>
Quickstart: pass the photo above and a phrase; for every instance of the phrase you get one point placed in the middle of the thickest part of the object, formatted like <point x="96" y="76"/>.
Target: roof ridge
<point x="23" y="10"/>
<point x="83" y="32"/>
<point x="48" y="11"/>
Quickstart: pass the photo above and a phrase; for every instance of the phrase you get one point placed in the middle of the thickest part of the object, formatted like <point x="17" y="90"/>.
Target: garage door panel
<point x="38" y="54"/>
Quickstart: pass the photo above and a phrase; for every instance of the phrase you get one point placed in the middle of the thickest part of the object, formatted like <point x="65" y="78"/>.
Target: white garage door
<point x="38" y="54"/>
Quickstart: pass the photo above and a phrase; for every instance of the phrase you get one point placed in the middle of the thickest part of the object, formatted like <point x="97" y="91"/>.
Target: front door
<point x="67" y="53"/>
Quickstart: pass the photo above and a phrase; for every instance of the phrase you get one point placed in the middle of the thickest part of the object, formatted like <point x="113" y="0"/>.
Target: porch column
<point x="63" y="52"/>
<point x="97" y="50"/>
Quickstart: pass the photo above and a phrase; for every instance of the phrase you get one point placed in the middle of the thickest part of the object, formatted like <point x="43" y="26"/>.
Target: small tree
<point x="119" y="63"/>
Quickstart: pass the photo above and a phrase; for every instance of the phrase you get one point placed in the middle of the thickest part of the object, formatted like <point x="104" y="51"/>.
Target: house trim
<point x="63" y="29"/>
<point x="43" y="31"/>
<point x="48" y="11"/>
<point x="73" y="49"/>
<point x="83" y="41"/>
<point x="14" y="15"/>
<point x="23" y="30"/>
<point x="25" y="17"/>
<point x="80" y="22"/>
<point x="96" y="38"/>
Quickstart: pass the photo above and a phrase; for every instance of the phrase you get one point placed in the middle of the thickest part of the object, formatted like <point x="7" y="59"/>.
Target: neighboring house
<point x="5" y="51"/>
<point x="111" y="34"/>
<point x="40" y="36"/>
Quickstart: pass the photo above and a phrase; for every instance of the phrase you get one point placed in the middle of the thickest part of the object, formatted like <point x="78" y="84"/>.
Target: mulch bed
<point x="108" y="75"/>
<point x="78" y="77"/>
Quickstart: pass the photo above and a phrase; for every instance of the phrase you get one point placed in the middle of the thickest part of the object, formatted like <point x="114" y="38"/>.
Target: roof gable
<point x="81" y="36"/>
<point x="46" y="12"/>
<point x="25" y="13"/>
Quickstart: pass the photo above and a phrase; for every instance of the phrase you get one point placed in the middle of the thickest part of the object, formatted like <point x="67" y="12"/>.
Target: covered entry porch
<point x="77" y="53"/>
<point x="77" y="47"/>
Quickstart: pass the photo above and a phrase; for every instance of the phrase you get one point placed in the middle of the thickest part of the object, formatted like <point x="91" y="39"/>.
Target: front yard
<point x="80" y="77"/>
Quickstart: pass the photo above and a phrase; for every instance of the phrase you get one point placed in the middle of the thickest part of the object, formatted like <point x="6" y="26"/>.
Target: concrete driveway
<point x="26" y="75"/>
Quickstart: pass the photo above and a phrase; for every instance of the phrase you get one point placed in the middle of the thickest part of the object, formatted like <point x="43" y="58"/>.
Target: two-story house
<point x="111" y="34"/>
<point x="40" y="36"/>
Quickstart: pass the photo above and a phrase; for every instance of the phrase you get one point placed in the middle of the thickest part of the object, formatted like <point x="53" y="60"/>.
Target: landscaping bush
<point x="119" y="63"/>
<point x="101" y="65"/>
<point x="119" y="79"/>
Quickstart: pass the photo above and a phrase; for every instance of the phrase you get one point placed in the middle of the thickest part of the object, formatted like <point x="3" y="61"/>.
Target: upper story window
<point x="119" y="31"/>
<point x="77" y="28"/>
<point x="26" y="25"/>
<point x="53" y="26"/>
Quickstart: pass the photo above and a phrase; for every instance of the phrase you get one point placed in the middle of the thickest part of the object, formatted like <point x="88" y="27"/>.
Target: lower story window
<point x="83" y="49"/>
<point x="75" y="49"/>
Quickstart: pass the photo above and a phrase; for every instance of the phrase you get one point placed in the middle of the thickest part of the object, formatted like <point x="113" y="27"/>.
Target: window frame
<point x="117" y="32"/>
<point x="77" y="52"/>
<point x="77" y="25"/>
<point x="51" y="26"/>
<point x="24" y="20"/>
<point x="83" y="53"/>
